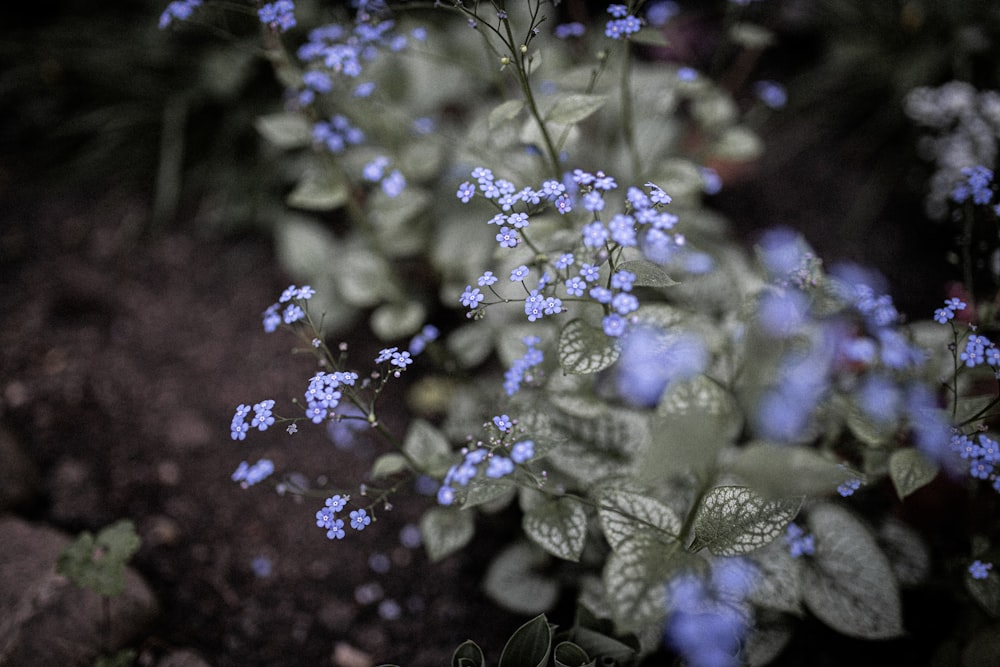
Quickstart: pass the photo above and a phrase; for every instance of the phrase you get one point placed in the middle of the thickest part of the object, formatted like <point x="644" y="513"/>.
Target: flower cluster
<point x="178" y="10"/>
<point x="323" y="393"/>
<point x="567" y="30"/>
<point x="708" y="620"/>
<point x="975" y="186"/>
<point x="248" y="475"/>
<point x="947" y="313"/>
<point x="979" y="569"/>
<point x="848" y="488"/>
<point x="326" y="517"/>
<point x="581" y="271"/>
<point x="500" y="456"/>
<point x="294" y="297"/>
<point x="623" y="24"/>
<point x="982" y="454"/>
<point x="398" y="361"/>
<point x="262" y="419"/>
<point x="336" y="134"/>
<point x="800" y="543"/>
<point x="520" y="369"/>
<point x="335" y="50"/>
<point x="392" y="182"/>
<point x="278" y="15"/>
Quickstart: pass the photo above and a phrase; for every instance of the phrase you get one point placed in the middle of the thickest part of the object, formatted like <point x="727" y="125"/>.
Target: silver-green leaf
<point x="585" y="349"/>
<point x="558" y="526"/>
<point x="623" y="513"/>
<point x="910" y="470"/>
<point x="445" y="531"/>
<point x="848" y="582"/>
<point x="734" y="520"/>
<point x="574" y="107"/>
<point x="648" y="274"/>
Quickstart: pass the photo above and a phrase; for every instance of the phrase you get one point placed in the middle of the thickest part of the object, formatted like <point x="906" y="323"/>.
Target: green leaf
<point x="99" y="563"/>
<point x="319" y="189"/>
<point x="635" y="577"/>
<point x="484" y="490"/>
<point x="513" y="581"/>
<point x="427" y="448"/>
<point x="529" y="646"/>
<point x="777" y="584"/>
<point x="777" y="470"/>
<point x="468" y="654"/>
<point x="558" y="526"/>
<point x="986" y="591"/>
<point x="585" y="349"/>
<point x="605" y="445"/>
<point x="910" y="470"/>
<point x="392" y="321"/>
<point x="286" y="130"/>
<point x="648" y="274"/>
<point x="445" y="531"/>
<point x="388" y="465"/>
<point x="574" y="107"/>
<point x="734" y="520"/>
<point x="364" y="277"/>
<point x="624" y="513"/>
<point x="505" y="112"/>
<point x="568" y="654"/>
<point x="848" y="582"/>
<point x="649" y="37"/>
<point x="694" y="420"/>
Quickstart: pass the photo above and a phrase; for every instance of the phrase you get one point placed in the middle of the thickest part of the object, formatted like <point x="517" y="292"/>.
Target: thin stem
<point x="628" y="119"/>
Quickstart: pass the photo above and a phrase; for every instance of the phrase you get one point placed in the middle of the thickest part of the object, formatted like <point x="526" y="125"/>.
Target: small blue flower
<point x="278" y="15"/>
<point x="849" y="487"/>
<point x="534" y="306"/>
<point x="471" y="297"/>
<point x="503" y="423"/>
<point x="394" y="184"/>
<point x="360" y="519"/>
<point x="943" y="315"/>
<point x="507" y="237"/>
<point x="262" y="415"/>
<point x="336" y="503"/>
<point x="499" y="466"/>
<point x="590" y="273"/>
<point x="487" y="279"/>
<point x="595" y="234"/>
<point x="446" y="495"/>
<point x="519" y="274"/>
<point x="623" y="280"/>
<point x="566" y="30"/>
<point x="179" y="10"/>
<point x="771" y="93"/>
<point x="522" y="451"/>
<point x="565" y="261"/>
<point x="575" y="286"/>
<point x="401" y="359"/>
<point x="979" y="569"/>
<point x="466" y="191"/>
<point x="799" y="542"/>
<point x="614" y="325"/>
<point x="293" y="314"/>
<point x="335" y="530"/>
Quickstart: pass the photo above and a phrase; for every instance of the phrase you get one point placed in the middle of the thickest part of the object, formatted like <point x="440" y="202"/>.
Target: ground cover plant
<point x="707" y="448"/>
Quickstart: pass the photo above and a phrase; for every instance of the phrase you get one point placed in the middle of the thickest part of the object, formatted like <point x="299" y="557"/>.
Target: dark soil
<point x="121" y="364"/>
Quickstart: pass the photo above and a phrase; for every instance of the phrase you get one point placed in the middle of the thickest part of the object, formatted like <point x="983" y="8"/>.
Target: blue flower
<point x="272" y="319"/>
<point x="590" y="273"/>
<point x="975" y="186"/>
<point x="445" y="495"/>
<point x="427" y="335"/>
<point x="239" y="426"/>
<point x="360" y="519"/>
<point x="394" y="184"/>
<point x="650" y="360"/>
<point x="401" y="359"/>
<point x="979" y="569"/>
<point x="624" y="303"/>
<point x="262" y="417"/>
<point x="466" y="191"/>
<point x="179" y="10"/>
<point x="771" y="93"/>
<point x="335" y="530"/>
<point x="613" y="325"/>
<point x="575" y="286"/>
<point x="522" y="451"/>
<point x="799" y="542"/>
<point x="499" y="466"/>
<point x="503" y="423"/>
<point x="565" y="261"/>
<point x="595" y="234"/>
<point x="278" y="15"/>
<point x="848" y="488"/>
<point x="519" y="369"/>
<point x="375" y="170"/>
<point x="293" y="313"/>
<point x="507" y="237"/>
<point x="534" y="306"/>
<point x="248" y="475"/>
<point x="471" y="297"/>
<point x="565" y="30"/>
<point x="487" y="279"/>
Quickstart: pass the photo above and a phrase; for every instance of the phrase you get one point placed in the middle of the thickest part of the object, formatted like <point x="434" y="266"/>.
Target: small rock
<point x="47" y="620"/>
<point x="345" y="655"/>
